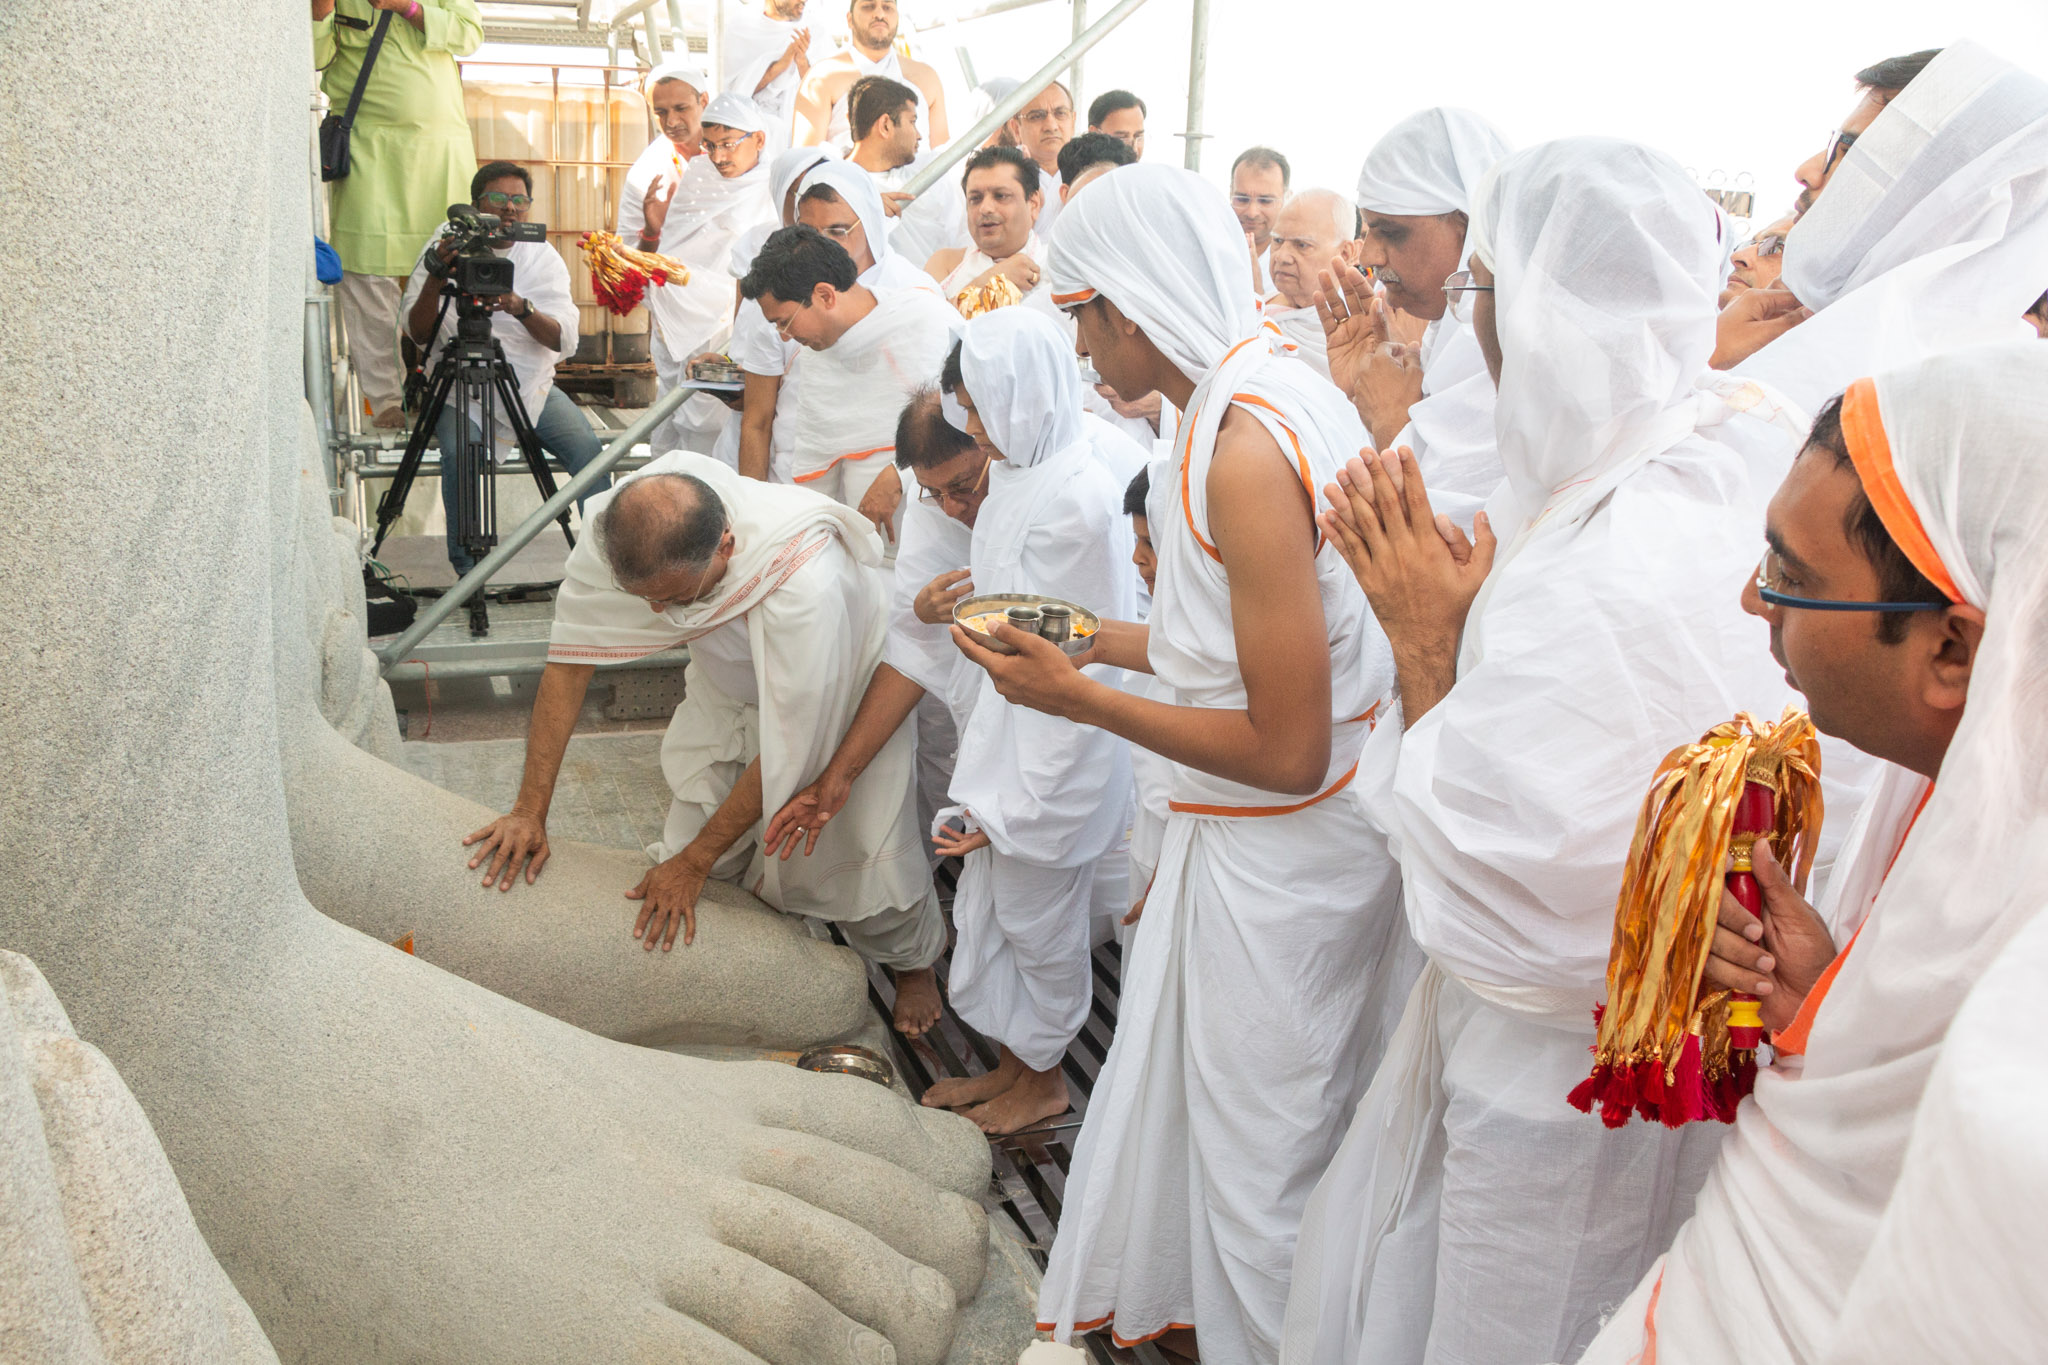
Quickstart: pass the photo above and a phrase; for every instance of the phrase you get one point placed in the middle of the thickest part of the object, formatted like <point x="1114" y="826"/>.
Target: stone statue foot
<point x="396" y="1165"/>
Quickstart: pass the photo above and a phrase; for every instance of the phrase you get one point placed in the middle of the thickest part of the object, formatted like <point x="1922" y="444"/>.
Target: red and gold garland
<point x="620" y="276"/>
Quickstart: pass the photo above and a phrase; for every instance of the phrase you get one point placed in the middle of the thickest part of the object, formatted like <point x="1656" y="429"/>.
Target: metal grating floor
<point x="1029" y="1178"/>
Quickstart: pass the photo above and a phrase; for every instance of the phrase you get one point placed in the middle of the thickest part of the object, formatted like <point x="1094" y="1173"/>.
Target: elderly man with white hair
<point x="1473" y="1214"/>
<point x="1270" y="956"/>
<point x="1415" y="192"/>
<point x="1313" y="234"/>
<point x="781" y="596"/>
<point x="714" y="200"/>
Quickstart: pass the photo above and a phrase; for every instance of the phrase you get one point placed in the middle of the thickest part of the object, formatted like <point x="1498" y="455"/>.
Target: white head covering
<point x="1932" y="233"/>
<point x="858" y="189"/>
<point x="1607" y="261"/>
<point x="728" y="110"/>
<point x="785" y="168"/>
<point x="1948" y="451"/>
<point x="986" y="96"/>
<point x="679" y="69"/>
<point x="1019" y="368"/>
<point x="1429" y="163"/>
<point x="1162" y="245"/>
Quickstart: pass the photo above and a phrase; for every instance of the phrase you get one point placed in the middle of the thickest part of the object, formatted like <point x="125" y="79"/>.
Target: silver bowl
<point x="716" y="371"/>
<point x="848" y="1059"/>
<point x="1086" y="622"/>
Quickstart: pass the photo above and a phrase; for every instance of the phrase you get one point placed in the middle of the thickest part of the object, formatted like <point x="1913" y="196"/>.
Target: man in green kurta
<point x="410" y="155"/>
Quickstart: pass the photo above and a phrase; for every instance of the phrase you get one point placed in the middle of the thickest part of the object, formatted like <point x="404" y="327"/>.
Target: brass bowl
<point x="1086" y="622"/>
<point x="849" y="1059"/>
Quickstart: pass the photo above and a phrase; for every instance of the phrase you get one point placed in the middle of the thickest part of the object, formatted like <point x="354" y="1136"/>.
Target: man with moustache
<point x="1040" y="129"/>
<point x="821" y="115"/>
<point x="1004" y="197"/>
<point x="1312" y="236"/>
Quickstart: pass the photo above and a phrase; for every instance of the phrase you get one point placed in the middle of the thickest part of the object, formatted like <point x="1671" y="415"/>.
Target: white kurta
<point x="780" y="657"/>
<point x="753" y="43"/>
<point x="657" y="159"/>
<point x="1051" y="795"/>
<point x="931" y="544"/>
<point x="1261" y="979"/>
<point x="707" y="216"/>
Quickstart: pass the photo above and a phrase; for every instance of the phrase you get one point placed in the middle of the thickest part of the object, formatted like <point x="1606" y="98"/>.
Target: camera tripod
<point x="473" y="367"/>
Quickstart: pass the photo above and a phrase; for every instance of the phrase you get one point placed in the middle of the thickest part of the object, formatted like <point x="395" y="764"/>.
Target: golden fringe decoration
<point x="621" y="276"/>
<point x="1665" y="1052"/>
<point x="1000" y="292"/>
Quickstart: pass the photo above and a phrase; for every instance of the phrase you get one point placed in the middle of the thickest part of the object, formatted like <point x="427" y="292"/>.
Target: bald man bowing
<point x="780" y="594"/>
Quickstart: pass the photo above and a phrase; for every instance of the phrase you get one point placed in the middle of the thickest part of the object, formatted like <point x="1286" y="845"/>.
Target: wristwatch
<point x="526" y="312"/>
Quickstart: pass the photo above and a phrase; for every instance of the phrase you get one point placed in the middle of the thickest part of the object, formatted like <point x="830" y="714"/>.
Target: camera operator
<point x="536" y="324"/>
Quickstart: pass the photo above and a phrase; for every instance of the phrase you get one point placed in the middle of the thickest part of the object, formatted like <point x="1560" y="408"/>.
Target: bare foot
<point x="390" y="419"/>
<point x="917" y="1001"/>
<point x="1036" y="1097"/>
<point x="962" y="1090"/>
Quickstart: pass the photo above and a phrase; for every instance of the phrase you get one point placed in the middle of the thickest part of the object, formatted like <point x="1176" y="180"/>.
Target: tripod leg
<point x="529" y="443"/>
<point x="392" y="504"/>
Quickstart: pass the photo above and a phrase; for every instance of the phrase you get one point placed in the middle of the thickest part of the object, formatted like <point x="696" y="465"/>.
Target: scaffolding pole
<point x="1198" y="76"/>
<point x="1080" y="8"/>
<point x="963" y="146"/>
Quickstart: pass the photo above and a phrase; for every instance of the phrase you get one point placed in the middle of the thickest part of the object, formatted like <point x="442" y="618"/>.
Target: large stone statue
<point x="390" y="1162"/>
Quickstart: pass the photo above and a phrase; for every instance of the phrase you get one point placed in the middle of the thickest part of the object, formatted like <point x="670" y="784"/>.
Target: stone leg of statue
<point x="390" y="1162"/>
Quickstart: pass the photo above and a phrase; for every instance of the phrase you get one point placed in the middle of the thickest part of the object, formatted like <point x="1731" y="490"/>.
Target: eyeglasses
<point x="728" y="146"/>
<point x="498" y="199"/>
<point x="1770" y="244"/>
<point x="1039" y="116"/>
<point x="1768" y="574"/>
<point x="840" y="231"/>
<point x="1458" y="292"/>
<point x="1245" y="201"/>
<point x="954" y="490"/>
<point x="1839" y="144"/>
<point x="696" y="594"/>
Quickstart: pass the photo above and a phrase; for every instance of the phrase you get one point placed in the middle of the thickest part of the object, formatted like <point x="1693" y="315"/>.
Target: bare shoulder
<point x="923" y="75"/>
<point x="945" y="261"/>
<point x="1250" y="478"/>
<point x="829" y="79"/>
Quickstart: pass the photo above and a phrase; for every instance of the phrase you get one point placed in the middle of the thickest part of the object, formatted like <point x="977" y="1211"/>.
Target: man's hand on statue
<point x="1039" y="675"/>
<point x="804" y="817"/>
<point x="895" y="201"/>
<point x="1420" y="572"/>
<point x="958" y="843"/>
<point x="668" y="896"/>
<point x="935" y="601"/>
<point x="511" y="841"/>
<point x="1777" y="958"/>
<point x="1753" y="320"/>
<point x="654" y="205"/>
<point x="880" y="502"/>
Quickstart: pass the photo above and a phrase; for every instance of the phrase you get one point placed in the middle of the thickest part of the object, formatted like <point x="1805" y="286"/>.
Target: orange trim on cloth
<point x="1258" y="812"/>
<point x="1069" y="300"/>
<point x="1790" y="1041"/>
<point x="817" y="474"/>
<point x="1870" y="450"/>
<point x="1187" y="452"/>
<point x="1649" y="1355"/>
<point x="1123" y="1341"/>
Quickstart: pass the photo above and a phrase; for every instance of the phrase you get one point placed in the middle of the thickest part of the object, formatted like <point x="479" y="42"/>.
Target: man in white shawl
<point x="1931" y="233"/>
<point x="865" y="352"/>
<point x="1270" y="954"/>
<point x="767" y="55"/>
<point x="1041" y="802"/>
<point x="1472" y="1214"/>
<point x="719" y="196"/>
<point x="1925" y="488"/>
<point x="781" y="597"/>
<point x="762" y="354"/>
<point x="677" y="91"/>
<point x="1415" y="191"/>
<point x="1313" y="234"/>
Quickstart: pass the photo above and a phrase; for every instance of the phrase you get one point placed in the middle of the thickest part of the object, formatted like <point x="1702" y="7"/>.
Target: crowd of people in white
<point x="1421" y="523"/>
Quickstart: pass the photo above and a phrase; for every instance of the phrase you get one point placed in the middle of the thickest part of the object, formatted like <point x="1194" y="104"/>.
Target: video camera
<point x="478" y="270"/>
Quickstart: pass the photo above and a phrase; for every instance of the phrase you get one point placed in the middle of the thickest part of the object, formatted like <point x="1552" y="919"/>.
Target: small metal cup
<point x="1025" y="618"/>
<point x="1056" y="622"/>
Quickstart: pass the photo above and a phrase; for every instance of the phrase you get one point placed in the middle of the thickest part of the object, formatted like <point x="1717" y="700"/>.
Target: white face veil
<point x="1932" y="233"/>
<point x="1162" y="245"/>
<point x="1019" y="369"/>
<point x="1607" y="261"/>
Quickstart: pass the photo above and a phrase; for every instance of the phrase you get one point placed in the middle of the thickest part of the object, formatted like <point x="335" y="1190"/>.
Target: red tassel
<point x="1687" y="1100"/>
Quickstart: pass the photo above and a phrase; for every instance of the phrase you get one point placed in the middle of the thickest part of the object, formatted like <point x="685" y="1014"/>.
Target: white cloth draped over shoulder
<point x="753" y="43"/>
<point x="707" y="215"/>
<point x="1430" y="163"/>
<point x="1593" y="648"/>
<point x="1948" y="450"/>
<point x="1302" y="330"/>
<point x="781" y="653"/>
<point x="1932" y="233"/>
<point x="1955" y="1270"/>
<point x="1052" y="796"/>
<point x="1270" y="956"/>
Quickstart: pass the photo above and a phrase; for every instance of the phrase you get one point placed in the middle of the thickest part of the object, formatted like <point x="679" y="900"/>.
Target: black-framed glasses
<point x="1839" y="144"/>
<point x="498" y="199"/>
<point x="955" y="490"/>
<point x="1458" y="292"/>
<point x="1767" y="574"/>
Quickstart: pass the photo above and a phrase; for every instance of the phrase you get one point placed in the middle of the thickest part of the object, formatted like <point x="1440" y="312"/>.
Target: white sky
<point x="1733" y="89"/>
